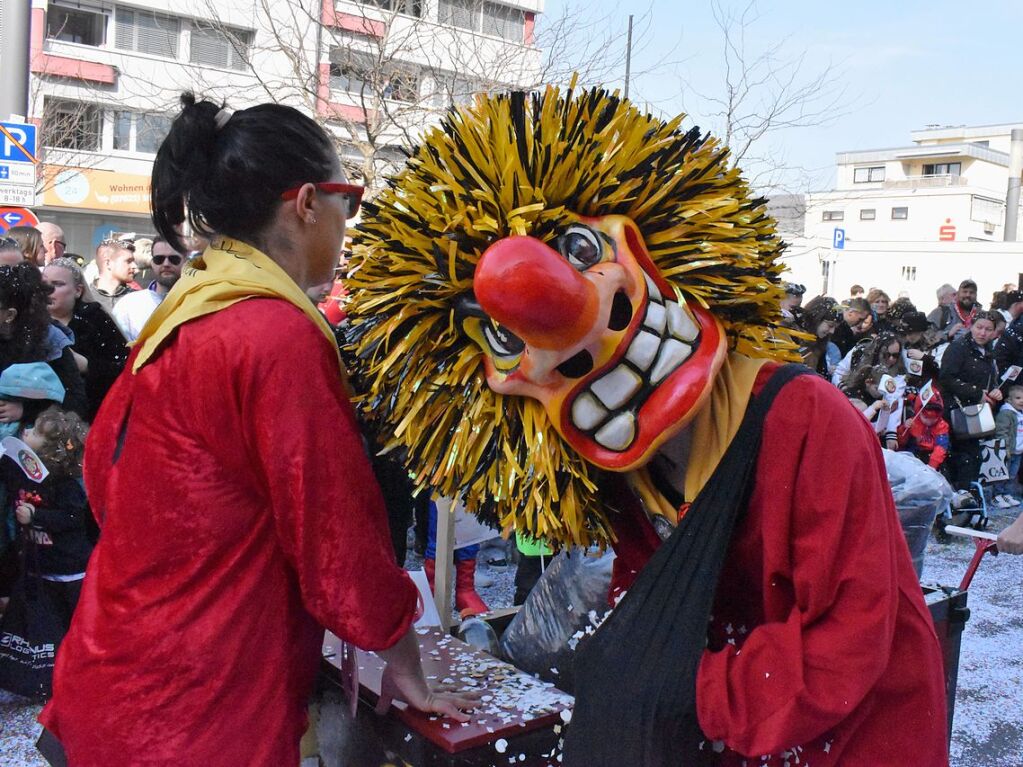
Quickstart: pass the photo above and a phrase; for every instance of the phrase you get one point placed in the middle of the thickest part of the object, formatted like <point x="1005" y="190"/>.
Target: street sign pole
<point x="14" y="57"/>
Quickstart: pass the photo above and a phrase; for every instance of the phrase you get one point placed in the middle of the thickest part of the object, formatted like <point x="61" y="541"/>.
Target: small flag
<point x="25" y="457"/>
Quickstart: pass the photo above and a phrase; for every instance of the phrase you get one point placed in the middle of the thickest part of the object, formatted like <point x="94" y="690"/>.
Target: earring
<point x="312" y="220"/>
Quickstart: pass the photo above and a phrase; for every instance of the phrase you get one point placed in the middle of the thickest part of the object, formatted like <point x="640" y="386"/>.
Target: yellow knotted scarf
<point x="227" y="272"/>
<point x="713" y="429"/>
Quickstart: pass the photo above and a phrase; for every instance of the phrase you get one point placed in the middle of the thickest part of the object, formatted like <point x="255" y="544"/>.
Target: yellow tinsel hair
<point x="518" y="164"/>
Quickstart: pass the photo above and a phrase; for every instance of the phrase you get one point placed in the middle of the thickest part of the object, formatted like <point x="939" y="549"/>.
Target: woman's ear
<point x="305" y="203"/>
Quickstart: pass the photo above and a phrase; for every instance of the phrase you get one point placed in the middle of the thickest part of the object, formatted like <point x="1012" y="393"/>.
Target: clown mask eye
<point x="581" y="247"/>
<point x="502" y="341"/>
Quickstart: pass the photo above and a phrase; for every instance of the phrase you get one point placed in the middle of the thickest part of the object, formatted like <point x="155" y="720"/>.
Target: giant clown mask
<point x="548" y="291"/>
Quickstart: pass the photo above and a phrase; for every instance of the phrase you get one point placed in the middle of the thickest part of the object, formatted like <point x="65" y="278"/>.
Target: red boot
<point x="430" y="567"/>
<point x="467" y="601"/>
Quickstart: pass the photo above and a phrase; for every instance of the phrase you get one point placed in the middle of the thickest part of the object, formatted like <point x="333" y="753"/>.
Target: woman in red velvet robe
<point x="238" y="511"/>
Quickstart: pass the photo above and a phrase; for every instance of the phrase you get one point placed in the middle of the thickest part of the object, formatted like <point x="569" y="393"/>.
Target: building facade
<point x="908" y="219"/>
<point x="106" y="78"/>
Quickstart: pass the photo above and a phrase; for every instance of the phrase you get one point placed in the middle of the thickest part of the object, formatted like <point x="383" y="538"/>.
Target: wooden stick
<point x="969" y="532"/>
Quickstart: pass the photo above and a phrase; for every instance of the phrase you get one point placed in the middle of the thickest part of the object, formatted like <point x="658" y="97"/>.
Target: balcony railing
<point x="927" y="182"/>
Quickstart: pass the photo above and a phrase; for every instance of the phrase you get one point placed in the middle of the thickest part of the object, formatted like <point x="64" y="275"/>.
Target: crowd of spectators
<point x="63" y="342"/>
<point x="907" y="371"/>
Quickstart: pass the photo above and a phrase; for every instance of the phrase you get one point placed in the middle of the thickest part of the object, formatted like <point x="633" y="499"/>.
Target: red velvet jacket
<point x="821" y="646"/>
<point x="239" y="515"/>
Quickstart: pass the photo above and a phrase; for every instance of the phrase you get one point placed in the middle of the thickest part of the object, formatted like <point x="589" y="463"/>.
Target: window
<point x="943" y="169"/>
<point x="408" y="7"/>
<point x="488" y="18"/>
<point x="222" y="47"/>
<point x="832" y="215"/>
<point x="503" y="21"/>
<point x="868" y="175"/>
<point x="401" y="86"/>
<point x="451" y="90"/>
<point x="985" y="143"/>
<point x="76" y="25"/>
<point x="147" y="32"/>
<point x="900" y="214"/>
<point x="351" y="71"/>
<point x="909" y="273"/>
<point x="140" y="131"/>
<point x="868" y="214"/>
<point x="72" y="125"/>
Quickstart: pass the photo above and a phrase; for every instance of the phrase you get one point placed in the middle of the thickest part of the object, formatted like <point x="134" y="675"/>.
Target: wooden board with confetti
<point x="519" y="719"/>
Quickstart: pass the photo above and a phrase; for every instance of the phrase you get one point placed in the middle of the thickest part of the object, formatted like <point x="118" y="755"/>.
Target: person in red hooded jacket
<point x="926" y="433"/>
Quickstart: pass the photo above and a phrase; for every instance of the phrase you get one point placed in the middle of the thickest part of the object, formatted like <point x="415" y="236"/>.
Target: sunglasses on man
<point x="173" y="260"/>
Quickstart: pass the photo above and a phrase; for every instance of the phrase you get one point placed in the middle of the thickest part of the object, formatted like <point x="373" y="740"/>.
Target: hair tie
<point x="222" y="117"/>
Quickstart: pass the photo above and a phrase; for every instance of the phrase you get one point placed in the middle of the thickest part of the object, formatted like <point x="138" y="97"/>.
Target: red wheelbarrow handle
<point x="984" y="542"/>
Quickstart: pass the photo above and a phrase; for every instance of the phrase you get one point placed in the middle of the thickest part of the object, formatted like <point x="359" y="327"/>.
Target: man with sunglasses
<point x="133" y="311"/>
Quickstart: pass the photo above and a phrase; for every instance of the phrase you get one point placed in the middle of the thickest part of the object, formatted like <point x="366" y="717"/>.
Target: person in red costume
<point x="239" y="514"/>
<point x="592" y="301"/>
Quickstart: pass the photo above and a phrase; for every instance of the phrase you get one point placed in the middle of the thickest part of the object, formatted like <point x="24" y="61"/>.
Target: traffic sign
<point x="17" y="173"/>
<point x="16" y="194"/>
<point x="11" y="217"/>
<point x="838" y="243"/>
<point x="17" y="142"/>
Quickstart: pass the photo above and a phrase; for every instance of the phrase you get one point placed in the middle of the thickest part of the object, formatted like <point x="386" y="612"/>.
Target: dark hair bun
<point x="229" y="180"/>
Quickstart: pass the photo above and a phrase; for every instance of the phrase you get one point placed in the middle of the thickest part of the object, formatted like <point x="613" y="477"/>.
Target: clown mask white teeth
<point x="673" y="354"/>
<point x="587" y="412"/>
<point x="654" y="319"/>
<point x="680" y="323"/>
<point x="617" y="387"/>
<point x="618" y="433"/>
<point x="643" y="350"/>
<point x="652" y="289"/>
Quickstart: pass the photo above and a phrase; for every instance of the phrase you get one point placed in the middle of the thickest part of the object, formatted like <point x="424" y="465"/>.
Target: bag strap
<point x="650" y="647"/>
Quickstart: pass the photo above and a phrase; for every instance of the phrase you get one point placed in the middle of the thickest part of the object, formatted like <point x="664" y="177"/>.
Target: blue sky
<point x="901" y="65"/>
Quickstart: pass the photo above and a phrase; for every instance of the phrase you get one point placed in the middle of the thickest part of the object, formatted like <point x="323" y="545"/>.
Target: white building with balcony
<point x="908" y="219"/>
<point x="106" y="77"/>
<point x="949" y="185"/>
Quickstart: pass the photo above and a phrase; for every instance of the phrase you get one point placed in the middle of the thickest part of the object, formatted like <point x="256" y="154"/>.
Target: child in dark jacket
<point x="51" y="515"/>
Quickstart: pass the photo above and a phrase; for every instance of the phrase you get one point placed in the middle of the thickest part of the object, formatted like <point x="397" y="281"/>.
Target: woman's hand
<point x="914" y="354"/>
<point x="23" y="512"/>
<point x="992" y="397"/>
<point x="1010" y="540"/>
<point x="11" y="411"/>
<point x="81" y="362"/>
<point x="403" y="679"/>
<point x="413" y="689"/>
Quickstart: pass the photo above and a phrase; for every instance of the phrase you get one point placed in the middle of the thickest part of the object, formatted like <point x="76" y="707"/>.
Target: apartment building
<point x="106" y="77"/>
<point x="948" y="185"/>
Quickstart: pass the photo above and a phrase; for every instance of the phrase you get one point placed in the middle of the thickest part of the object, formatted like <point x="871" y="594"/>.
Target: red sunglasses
<point x="354" y="192"/>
